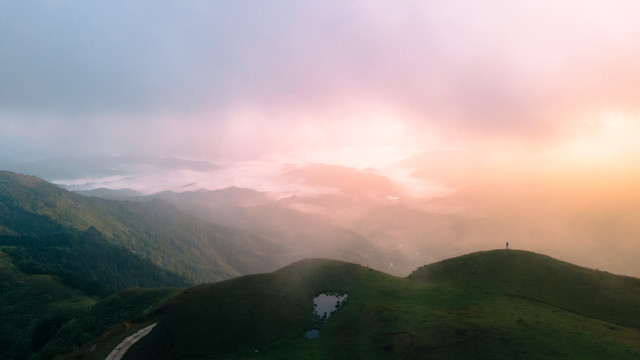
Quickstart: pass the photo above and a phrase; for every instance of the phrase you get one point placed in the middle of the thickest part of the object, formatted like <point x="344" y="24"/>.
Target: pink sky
<point x="540" y="93"/>
<point x="239" y="81"/>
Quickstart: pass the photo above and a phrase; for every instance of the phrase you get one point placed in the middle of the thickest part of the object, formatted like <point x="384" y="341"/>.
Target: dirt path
<point x="122" y="348"/>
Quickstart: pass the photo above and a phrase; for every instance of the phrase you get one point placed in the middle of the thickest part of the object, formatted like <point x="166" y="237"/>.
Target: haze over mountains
<point x="472" y="204"/>
<point x="496" y="128"/>
<point x="71" y="265"/>
<point x="81" y="246"/>
<point x="164" y="144"/>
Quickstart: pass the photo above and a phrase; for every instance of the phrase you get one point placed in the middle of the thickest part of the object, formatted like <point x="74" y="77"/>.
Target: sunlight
<point x="363" y="137"/>
<point x="608" y="138"/>
<point x="378" y="128"/>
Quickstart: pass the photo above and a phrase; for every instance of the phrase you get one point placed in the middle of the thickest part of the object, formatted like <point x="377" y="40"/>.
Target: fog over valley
<point x="430" y="129"/>
<point x="204" y="170"/>
<point x="424" y="207"/>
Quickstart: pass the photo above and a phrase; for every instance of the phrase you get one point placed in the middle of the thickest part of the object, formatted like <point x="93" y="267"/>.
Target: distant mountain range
<point x="88" y="247"/>
<point x="95" y="167"/>
<point x="59" y="247"/>
<point x="154" y="231"/>
<point x="72" y="266"/>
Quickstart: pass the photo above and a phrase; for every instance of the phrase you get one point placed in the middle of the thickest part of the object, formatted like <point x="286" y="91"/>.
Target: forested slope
<point x="60" y="252"/>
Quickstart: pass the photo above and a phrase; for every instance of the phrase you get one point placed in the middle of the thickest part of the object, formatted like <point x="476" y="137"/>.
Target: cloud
<point x="225" y="79"/>
<point x="538" y="99"/>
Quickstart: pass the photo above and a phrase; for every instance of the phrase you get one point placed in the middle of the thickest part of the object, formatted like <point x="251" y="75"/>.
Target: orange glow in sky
<point x="524" y="114"/>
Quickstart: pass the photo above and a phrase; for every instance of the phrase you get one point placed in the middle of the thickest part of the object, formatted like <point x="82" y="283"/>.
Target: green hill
<point x="60" y="252"/>
<point x="30" y="306"/>
<point x="33" y="209"/>
<point x="110" y="314"/>
<point x="488" y="305"/>
<point x="542" y="279"/>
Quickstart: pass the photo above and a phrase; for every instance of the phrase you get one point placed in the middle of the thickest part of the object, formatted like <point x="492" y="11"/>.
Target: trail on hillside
<point x="127" y="343"/>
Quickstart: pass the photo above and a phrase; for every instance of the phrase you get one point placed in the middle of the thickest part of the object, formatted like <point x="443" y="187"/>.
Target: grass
<point x="543" y="279"/>
<point x="499" y="304"/>
<point x="106" y="315"/>
<point x="32" y="307"/>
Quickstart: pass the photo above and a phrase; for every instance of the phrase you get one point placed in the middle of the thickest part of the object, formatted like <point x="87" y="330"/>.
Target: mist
<point x="428" y="129"/>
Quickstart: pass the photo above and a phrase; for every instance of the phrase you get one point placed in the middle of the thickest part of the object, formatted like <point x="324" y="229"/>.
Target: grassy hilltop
<point x="487" y="305"/>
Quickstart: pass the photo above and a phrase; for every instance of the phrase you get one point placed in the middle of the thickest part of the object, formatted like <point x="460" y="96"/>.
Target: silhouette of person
<point x="507" y="245"/>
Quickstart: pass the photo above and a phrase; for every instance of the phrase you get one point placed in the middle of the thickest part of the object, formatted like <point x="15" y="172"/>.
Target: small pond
<point x="312" y="334"/>
<point x="326" y="304"/>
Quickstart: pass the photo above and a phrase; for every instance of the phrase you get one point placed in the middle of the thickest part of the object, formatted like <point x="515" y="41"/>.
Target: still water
<point x="312" y="334"/>
<point x="327" y="304"/>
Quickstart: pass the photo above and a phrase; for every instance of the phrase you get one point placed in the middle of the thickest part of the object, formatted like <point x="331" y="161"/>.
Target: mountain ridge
<point x="60" y="252"/>
<point x="445" y="310"/>
<point x="154" y="230"/>
<point x="557" y="283"/>
<point x="489" y="304"/>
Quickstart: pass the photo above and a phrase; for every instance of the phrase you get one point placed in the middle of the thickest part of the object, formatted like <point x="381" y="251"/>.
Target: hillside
<point x="110" y="314"/>
<point x="301" y="235"/>
<point x="30" y="305"/>
<point x="61" y="252"/>
<point x="154" y="231"/>
<point x="539" y="278"/>
<point x="488" y="305"/>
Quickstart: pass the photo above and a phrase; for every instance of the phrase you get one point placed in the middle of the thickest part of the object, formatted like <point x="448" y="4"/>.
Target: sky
<point x="533" y="103"/>
<point x="241" y="80"/>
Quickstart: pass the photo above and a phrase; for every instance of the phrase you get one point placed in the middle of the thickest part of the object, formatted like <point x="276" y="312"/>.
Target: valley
<point x="319" y="180"/>
<point x="243" y="267"/>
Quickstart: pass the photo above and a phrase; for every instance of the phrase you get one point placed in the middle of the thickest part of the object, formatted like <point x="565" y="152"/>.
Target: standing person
<point x="507" y="245"/>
